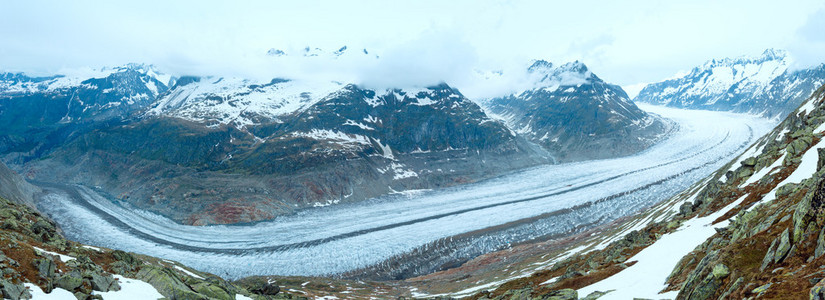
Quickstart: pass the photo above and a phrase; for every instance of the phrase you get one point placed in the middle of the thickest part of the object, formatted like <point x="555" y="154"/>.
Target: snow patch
<point x="130" y="289"/>
<point x="56" y="294"/>
<point x="187" y="272"/>
<point x="646" y="278"/>
<point x="64" y="258"/>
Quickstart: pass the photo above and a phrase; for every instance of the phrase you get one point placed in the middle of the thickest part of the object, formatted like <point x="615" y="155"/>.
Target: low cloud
<point x="808" y="46"/>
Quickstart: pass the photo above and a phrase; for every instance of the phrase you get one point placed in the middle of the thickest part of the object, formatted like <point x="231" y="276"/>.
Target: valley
<point x="536" y="203"/>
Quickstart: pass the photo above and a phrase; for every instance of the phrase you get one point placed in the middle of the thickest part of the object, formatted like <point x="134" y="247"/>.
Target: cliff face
<point x="575" y="115"/>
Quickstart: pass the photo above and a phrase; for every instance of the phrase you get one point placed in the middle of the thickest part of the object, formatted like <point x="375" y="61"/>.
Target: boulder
<point x="784" y="246"/>
<point x="270" y="289"/>
<point x="45" y="267"/>
<point x="565" y="294"/>
<point x="818" y="291"/>
<point x="720" y="271"/>
<point x="212" y="291"/>
<point x="686" y="208"/>
<point x="768" y="259"/>
<point x="749" y="162"/>
<point x="69" y="282"/>
<point x="167" y="283"/>
<point x="596" y="295"/>
<point x="820" y="244"/>
<point x="14" y="291"/>
<point x="104" y="283"/>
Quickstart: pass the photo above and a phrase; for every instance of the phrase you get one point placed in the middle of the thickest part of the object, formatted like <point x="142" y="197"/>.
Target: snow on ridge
<point x="718" y="76"/>
<point x="338" y="137"/>
<point x="68" y="78"/>
<point x="240" y="101"/>
<point x="568" y="74"/>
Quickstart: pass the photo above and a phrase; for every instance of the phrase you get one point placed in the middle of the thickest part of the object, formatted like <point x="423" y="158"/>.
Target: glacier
<point x="544" y="201"/>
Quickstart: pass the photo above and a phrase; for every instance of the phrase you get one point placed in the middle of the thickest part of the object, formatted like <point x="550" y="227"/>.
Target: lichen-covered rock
<point x="735" y="286"/>
<point x="565" y="294"/>
<point x="686" y="208"/>
<point x="820" y="244"/>
<point x="267" y="289"/>
<point x="720" y="271"/>
<point x="167" y="283"/>
<point x="749" y="162"/>
<point x="69" y="282"/>
<point x="45" y="267"/>
<point x="104" y="283"/>
<point x="784" y="246"/>
<point x="761" y="289"/>
<point x="695" y="279"/>
<point x="212" y="291"/>
<point x="595" y="295"/>
<point x="14" y="291"/>
<point x="818" y="291"/>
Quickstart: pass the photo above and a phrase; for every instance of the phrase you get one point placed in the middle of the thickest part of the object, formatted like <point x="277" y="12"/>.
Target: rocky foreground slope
<point x="753" y="230"/>
<point x="766" y="85"/>
<point x="37" y="261"/>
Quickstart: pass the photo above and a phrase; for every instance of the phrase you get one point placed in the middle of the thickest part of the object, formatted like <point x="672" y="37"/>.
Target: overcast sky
<point x="624" y="42"/>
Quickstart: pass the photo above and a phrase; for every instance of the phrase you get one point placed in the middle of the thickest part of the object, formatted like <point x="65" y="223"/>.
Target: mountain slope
<point x="39" y="262"/>
<point x="351" y="145"/>
<point x="762" y="85"/>
<point x="237" y="101"/>
<point x="15" y="189"/>
<point x="576" y="116"/>
<point x="751" y="230"/>
<point x="40" y="113"/>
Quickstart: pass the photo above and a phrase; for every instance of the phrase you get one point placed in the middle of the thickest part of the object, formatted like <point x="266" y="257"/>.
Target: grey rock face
<point x="575" y="115"/>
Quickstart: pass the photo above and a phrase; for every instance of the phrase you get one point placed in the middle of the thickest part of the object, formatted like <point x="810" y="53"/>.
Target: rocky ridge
<point x="575" y="115"/>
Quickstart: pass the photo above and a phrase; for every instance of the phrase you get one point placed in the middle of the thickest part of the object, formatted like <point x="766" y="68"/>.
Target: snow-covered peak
<point x="21" y="83"/>
<point x="775" y="54"/>
<point x="728" y="71"/>
<point x="315" y="52"/>
<point x="544" y="75"/>
<point x="238" y="101"/>
<point x="540" y="66"/>
<point x="761" y="84"/>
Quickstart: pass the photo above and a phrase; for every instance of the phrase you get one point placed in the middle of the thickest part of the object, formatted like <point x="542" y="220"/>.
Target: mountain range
<point x="222" y="150"/>
<point x="208" y="150"/>
<point x="766" y="85"/>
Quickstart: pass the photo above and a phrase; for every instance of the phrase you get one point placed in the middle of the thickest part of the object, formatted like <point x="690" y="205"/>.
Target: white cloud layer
<point x="420" y="42"/>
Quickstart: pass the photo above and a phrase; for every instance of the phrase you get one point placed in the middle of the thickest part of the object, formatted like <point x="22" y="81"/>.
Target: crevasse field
<point x="554" y="199"/>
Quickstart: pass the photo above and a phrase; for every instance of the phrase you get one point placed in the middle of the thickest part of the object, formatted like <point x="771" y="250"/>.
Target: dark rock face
<point x="14" y="188"/>
<point x="761" y="85"/>
<point x="40" y="114"/>
<point x="576" y="116"/>
<point x="224" y="150"/>
<point x="351" y="145"/>
<point x="268" y="289"/>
